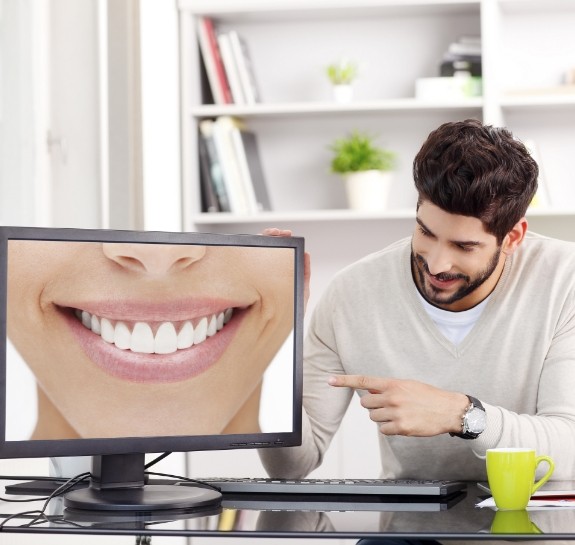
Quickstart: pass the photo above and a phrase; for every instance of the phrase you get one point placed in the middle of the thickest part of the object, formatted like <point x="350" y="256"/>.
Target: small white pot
<point x="343" y="94"/>
<point x="368" y="189"/>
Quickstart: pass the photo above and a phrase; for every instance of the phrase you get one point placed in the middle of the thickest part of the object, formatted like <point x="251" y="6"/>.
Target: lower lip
<point x="442" y="284"/>
<point x="154" y="368"/>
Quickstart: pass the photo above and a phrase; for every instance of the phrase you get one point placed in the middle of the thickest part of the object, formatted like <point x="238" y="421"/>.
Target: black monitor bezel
<point x="90" y="447"/>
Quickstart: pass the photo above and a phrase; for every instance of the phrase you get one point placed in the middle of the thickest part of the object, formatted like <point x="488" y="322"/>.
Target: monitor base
<point x="144" y="499"/>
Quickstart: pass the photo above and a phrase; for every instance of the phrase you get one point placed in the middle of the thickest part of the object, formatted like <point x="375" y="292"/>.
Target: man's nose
<point x="439" y="261"/>
<point x="154" y="259"/>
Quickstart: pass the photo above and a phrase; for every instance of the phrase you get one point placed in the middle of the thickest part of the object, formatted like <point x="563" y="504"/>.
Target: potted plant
<point x="366" y="168"/>
<point x="341" y="74"/>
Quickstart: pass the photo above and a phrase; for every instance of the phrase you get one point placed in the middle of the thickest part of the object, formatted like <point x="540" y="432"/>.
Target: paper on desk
<point x="546" y="499"/>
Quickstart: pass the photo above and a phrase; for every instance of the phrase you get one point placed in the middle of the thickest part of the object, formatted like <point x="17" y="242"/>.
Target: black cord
<point x="156" y="460"/>
<point x="185" y="479"/>
<point x="176" y="477"/>
<point x="41" y="513"/>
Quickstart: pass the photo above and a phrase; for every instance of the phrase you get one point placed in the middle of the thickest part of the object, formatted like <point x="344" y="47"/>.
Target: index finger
<point x="359" y="382"/>
<point x="275" y="232"/>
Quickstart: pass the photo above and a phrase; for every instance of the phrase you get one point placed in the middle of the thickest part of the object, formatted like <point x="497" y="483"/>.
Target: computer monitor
<point x="148" y="342"/>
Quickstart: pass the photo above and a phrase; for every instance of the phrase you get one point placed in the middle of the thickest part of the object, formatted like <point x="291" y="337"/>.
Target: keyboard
<point x="381" y="487"/>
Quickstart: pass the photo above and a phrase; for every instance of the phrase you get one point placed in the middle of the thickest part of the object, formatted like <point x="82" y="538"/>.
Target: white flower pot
<point x="343" y="94"/>
<point x="368" y="190"/>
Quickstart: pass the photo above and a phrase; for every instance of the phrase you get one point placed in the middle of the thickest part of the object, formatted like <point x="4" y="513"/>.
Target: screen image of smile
<point x="149" y="339"/>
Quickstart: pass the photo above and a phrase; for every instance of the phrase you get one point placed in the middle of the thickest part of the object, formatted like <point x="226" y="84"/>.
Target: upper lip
<point x="156" y="312"/>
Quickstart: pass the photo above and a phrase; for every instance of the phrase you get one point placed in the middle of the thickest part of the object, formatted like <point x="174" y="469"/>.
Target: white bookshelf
<point x="395" y="41"/>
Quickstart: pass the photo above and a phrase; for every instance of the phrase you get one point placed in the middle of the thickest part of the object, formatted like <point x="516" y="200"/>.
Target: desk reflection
<point x="248" y="516"/>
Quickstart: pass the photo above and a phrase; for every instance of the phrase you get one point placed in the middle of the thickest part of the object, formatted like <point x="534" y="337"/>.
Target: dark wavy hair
<point x="476" y="170"/>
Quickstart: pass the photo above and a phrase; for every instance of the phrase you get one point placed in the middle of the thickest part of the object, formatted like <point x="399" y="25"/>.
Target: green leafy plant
<point x="342" y="72"/>
<point x="358" y="152"/>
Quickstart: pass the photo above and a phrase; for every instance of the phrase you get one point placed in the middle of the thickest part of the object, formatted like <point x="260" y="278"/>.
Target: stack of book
<point x="462" y="58"/>
<point x="459" y="73"/>
<point x="232" y="177"/>
<point x="228" y="65"/>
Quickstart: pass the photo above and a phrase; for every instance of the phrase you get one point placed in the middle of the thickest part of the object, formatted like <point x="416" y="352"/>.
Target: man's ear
<point x="515" y="237"/>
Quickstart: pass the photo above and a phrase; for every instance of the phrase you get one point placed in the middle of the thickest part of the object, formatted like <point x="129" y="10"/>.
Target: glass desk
<point x="456" y="518"/>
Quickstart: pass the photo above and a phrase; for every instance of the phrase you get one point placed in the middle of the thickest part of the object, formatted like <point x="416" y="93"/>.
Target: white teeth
<point x="122" y="336"/>
<point x="166" y="339"/>
<point x="86" y="319"/>
<point x="212" y="327"/>
<point x="228" y="314"/>
<point x="95" y="325"/>
<point x="201" y="331"/>
<point x="107" y="330"/>
<point x="186" y="336"/>
<point x="142" y="339"/>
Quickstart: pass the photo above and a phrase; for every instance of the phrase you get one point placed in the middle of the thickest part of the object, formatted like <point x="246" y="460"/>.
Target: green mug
<point x="513" y="522"/>
<point x="511" y="476"/>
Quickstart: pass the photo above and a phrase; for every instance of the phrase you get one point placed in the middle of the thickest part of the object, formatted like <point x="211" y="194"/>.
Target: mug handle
<point x="545" y="477"/>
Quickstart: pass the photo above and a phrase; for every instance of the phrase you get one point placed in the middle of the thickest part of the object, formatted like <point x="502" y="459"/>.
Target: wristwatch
<point x="473" y="421"/>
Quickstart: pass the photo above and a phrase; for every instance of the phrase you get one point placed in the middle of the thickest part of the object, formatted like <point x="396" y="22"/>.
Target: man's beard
<point x="434" y="295"/>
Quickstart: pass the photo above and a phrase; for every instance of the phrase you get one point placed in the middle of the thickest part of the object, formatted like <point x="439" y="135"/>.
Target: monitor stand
<point x="118" y="484"/>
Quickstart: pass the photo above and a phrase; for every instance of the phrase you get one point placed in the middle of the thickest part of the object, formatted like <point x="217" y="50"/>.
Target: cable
<point x="156" y="460"/>
<point x="204" y="484"/>
<point x="41" y="513"/>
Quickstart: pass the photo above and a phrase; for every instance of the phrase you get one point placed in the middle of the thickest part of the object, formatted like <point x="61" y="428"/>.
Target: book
<point x="235" y="187"/>
<point x="209" y="198"/>
<point x="245" y="68"/>
<point x="251" y="169"/>
<point x="231" y="68"/>
<point x="215" y="175"/>
<point x="211" y="56"/>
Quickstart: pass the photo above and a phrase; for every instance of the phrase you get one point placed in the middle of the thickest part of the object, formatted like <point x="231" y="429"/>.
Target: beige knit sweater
<point x="519" y="360"/>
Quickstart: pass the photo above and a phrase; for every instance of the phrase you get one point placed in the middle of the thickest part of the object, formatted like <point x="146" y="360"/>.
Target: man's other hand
<point x="407" y="407"/>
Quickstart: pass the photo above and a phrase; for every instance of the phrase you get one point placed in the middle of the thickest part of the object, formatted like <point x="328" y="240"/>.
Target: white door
<point x="74" y="122"/>
<point x="70" y="113"/>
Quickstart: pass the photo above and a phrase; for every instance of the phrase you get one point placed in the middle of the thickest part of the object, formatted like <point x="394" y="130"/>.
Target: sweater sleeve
<point x="551" y="430"/>
<point x="324" y="406"/>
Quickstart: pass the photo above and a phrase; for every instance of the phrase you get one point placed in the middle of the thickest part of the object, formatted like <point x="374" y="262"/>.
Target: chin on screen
<point x="115" y="344"/>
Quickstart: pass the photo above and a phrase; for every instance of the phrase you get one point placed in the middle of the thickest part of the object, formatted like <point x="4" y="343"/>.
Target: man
<point x="458" y="339"/>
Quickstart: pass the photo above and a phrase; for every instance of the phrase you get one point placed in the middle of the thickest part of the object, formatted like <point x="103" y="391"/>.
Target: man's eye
<point x="424" y="232"/>
<point x="465" y="248"/>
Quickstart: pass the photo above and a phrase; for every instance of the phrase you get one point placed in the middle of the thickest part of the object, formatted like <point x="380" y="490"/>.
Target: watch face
<point x="475" y="420"/>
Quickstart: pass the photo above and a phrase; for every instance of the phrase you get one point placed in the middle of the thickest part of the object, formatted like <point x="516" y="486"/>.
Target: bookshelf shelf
<point x="470" y="105"/>
<point x="534" y="6"/>
<point x="297" y="216"/>
<point x="340" y="215"/>
<point x="262" y="10"/>
<point x="542" y="100"/>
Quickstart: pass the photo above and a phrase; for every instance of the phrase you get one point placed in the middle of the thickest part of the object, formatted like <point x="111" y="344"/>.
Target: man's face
<point x="455" y="262"/>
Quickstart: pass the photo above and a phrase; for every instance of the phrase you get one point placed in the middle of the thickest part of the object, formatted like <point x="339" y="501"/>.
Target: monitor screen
<point x="145" y="342"/>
